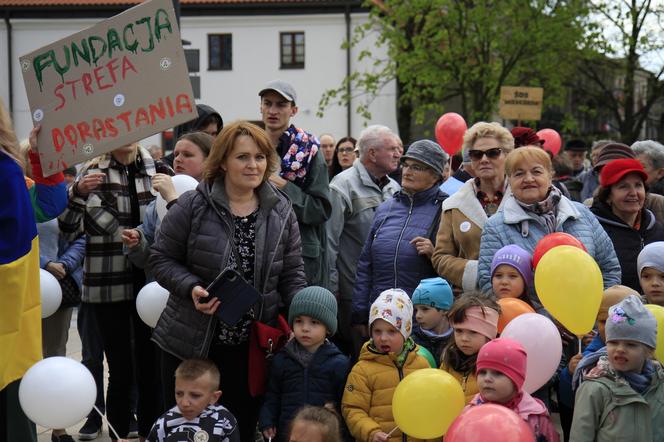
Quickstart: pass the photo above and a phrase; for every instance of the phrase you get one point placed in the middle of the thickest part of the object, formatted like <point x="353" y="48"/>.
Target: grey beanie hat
<point x="629" y="320"/>
<point x="316" y="302"/>
<point x="429" y="153"/>
<point x="652" y="255"/>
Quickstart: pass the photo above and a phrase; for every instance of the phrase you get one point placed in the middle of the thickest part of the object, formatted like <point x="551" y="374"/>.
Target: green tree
<point x="464" y="50"/>
<point x="623" y="61"/>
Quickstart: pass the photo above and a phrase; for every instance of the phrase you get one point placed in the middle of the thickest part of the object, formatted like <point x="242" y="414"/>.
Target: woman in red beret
<point x="619" y="207"/>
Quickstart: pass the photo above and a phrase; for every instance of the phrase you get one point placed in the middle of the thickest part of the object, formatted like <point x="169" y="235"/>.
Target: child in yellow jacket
<point x="389" y="356"/>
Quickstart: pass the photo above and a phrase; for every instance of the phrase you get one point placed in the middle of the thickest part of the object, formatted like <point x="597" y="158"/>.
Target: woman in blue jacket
<point x="397" y="253"/>
<point x="535" y="209"/>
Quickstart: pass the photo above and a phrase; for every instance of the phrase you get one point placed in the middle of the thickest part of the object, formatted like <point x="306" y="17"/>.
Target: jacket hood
<point x="204" y="111"/>
<point x="326" y="351"/>
<point x="433" y="195"/>
<point x="604" y="214"/>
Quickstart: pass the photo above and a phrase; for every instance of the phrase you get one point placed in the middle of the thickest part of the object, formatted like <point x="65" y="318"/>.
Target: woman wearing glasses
<point x="397" y="252"/>
<point x="466" y="212"/>
<point x="537" y="208"/>
<point x="344" y="155"/>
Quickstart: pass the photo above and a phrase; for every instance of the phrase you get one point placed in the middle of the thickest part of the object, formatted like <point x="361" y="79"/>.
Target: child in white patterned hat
<point x="390" y="355"/>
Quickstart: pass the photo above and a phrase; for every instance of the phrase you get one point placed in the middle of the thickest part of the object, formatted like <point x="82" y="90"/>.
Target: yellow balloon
<point x="658" y="313"/>
<point x="569" y="284"/>
<point x="426" y="402"/>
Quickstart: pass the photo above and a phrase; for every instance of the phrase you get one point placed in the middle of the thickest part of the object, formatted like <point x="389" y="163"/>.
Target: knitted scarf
<point x="545" y="211"/>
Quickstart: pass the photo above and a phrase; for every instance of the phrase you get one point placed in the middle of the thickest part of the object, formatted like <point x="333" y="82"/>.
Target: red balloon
<point x="489" y="422"/>
<point x="554" y="240"/>
<point x="450" y="129"/>
<point x="552" y="140"/>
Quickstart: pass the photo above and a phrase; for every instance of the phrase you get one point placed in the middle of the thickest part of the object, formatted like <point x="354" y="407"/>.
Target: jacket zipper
<point x="404" y="438"/>
<point x="403" y="229"/>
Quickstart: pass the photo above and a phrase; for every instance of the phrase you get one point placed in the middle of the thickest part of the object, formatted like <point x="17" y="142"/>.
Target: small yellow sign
<point x="521" y="103"/>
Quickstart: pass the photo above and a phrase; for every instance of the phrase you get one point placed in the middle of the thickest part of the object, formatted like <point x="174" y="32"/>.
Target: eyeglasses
<point x="491" y="154"/>
<point x="414" y="167"/>
<point x="346" y="149"/>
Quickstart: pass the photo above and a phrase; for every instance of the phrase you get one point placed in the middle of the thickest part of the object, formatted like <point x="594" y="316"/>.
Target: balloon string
<point x="103" y="416"/>
<point x="580" y="344"/>
<point x="393" y="430"/>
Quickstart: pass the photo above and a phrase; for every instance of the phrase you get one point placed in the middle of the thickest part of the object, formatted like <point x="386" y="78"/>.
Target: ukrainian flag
<point x="20" y="304"/>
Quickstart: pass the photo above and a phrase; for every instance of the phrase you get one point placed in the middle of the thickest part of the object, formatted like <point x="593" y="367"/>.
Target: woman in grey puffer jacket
<point x="233" y="205"/>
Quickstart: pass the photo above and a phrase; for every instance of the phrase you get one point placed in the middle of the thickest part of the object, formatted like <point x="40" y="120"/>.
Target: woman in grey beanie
<point x="397" y="252"/>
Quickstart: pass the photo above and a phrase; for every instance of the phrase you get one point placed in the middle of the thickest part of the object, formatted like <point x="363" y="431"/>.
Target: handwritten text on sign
<point x="120" y="81"/>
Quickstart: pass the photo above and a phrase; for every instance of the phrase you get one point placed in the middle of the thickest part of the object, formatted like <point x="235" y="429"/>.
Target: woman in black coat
<point x="619" y="207"/>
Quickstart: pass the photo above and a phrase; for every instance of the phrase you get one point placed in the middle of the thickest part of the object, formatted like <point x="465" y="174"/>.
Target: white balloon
<point x="151" y="302"/>
<point x="182" y="183"/>
<point x="51" y="293"/>
<point x="57" y="392"/>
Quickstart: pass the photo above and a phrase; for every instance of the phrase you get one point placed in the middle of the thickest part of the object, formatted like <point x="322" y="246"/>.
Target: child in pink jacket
<point x="501" y="371"/>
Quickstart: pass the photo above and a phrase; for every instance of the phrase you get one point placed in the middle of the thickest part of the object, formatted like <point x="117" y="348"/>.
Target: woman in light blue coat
<point x="535" y="209"/>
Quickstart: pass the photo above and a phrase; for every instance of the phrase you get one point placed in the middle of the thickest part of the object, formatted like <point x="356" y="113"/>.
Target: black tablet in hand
<point x="236" y="296"/>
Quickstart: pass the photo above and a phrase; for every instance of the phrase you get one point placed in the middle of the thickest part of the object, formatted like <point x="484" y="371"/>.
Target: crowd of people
<point x="372" y="260"/>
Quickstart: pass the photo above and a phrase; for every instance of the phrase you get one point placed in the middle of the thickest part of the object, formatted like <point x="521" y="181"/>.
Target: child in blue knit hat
<point x="621" y="395"/>
<point x="432" y="300"/>
<point x="309" y="370"/>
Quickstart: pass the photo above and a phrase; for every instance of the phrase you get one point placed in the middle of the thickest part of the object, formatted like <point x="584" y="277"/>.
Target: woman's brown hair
<point x="225" y="143"/>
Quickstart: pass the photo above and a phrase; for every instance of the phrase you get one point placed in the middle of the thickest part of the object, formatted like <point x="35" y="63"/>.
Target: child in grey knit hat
<point x="621" y="393"/>
<point x="309" y="370"/>
<point x="650" y="264"/>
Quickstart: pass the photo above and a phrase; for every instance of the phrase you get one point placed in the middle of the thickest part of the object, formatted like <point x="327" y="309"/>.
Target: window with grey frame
<point x="292" y="50"/>
<point x="220" y="52"/>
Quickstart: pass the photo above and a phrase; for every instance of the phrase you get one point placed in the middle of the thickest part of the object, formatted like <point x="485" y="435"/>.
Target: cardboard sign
<point x="521" y="103"/>
<point x="113" y="84"/>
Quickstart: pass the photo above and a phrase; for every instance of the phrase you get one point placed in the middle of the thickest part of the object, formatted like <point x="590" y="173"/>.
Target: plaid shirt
<point x="108" y="275"/>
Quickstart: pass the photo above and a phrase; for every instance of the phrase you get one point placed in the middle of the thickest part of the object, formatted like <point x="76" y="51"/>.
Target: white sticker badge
<point x="38" y="115"/>
<point x="464" y="226"/>
<point x="118" y="100"/>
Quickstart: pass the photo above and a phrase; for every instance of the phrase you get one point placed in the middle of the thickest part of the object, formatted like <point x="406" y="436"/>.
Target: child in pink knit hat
<point x="501" y="372"/>
<point x="474" y="318"/>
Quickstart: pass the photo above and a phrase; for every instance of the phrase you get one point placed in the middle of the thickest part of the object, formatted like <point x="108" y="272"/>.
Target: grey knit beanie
<point x="629" y="320"/>
<point x="652" y="255"/>
<point x="316" y="302"/>
<point x="429" y="153"/>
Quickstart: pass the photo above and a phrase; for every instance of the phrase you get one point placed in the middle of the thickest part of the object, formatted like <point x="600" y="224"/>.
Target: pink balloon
<point x="489" y="422"/>
<point x="450" y="129"/>
<point x="541" y="339"/>
<point x="552" y="140"/>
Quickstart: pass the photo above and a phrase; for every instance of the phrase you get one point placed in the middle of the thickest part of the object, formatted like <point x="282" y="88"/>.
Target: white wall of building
<point x="255" y="61"/>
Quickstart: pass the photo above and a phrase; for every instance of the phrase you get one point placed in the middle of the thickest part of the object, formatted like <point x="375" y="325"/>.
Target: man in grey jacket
<point x="355" y="194"/>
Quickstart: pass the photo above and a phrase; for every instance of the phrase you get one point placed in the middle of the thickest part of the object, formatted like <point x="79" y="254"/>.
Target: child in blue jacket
<point x="309" y="370"/>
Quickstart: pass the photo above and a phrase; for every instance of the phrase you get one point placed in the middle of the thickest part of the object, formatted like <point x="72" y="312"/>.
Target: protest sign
<point x="521" y="103"/>
<point x="110" y="85"/>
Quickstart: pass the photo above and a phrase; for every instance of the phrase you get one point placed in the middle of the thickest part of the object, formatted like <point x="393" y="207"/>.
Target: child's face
<point x="430" y="318"/>
<point x="494" y="386"/>
<point x="652" y="283"/>
<point x="627" y="355"/>
<point x="305" y="431"/>
<point x="386" y="337"/>
<point x="309" y="332"/>
<point x="193" y="396"/>
<point x="507" y="282"/>
<point x="468" y="341"/>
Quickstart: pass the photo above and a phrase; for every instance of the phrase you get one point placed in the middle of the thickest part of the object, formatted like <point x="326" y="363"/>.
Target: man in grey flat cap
<point x="303" y="176"/>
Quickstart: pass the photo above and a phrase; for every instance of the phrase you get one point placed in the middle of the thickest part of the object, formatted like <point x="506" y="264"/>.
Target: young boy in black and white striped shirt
<point x="196" y="417"/>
